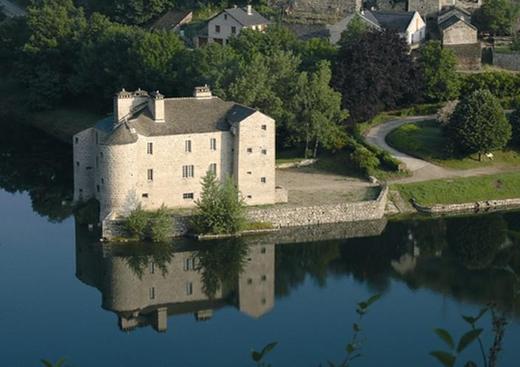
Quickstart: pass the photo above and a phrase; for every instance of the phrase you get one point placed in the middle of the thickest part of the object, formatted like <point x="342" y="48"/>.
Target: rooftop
<point x="245" y="19"/>
<point x="396" y="21"/>
<point x="170" y="19"/>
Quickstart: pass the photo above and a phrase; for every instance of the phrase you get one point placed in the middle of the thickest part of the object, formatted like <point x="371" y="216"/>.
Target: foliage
<point x="463" y="190"/>
<point x="478" y="124"/>
<point x="259" y="356"/>
<point x="220" y="208"/>
<point x="137" y="223"/>
<point x="497" y="16"/>
<point x="440" y="78"/>
<point x="514" y="119"/>
<point x="500" y="83"/>
<point x="355" y="29"/>
<point x="160" y="225"/>
<point x="364" y="159"/>
<point x="376" y="72"/>
<point x="87" y="212"/>
<point x="59" y="363"/>
<point x="129" y="11"/>
<point x="139" y="256"/>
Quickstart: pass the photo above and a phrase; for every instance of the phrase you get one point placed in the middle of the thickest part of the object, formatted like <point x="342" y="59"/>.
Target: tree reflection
<point x="33" y="162"/>
<point x="139" y="255"/>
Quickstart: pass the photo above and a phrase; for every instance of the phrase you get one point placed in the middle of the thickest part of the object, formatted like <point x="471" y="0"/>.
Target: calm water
<point x="191" y="305"/>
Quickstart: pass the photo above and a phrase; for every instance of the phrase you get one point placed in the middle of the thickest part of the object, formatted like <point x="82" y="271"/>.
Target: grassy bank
<point x="425" y="140"/>
<point x="463" y="190"/>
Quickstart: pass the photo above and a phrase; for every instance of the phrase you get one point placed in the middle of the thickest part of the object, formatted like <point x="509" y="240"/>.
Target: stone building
<point x="455" y="27"/>
<point x="156" y="150"/>
<point x="429" y="9"/>
<point x="229" y="23"/>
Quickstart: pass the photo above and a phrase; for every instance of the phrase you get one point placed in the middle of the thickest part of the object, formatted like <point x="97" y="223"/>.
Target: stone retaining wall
<point x="479" y="206"/>
<point x="281" y="216"/>
<point x="509" y="61"/>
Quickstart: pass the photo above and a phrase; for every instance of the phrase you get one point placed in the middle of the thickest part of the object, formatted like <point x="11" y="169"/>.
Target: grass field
<point x="463" y="190"/>
<point x="425" y="140"/>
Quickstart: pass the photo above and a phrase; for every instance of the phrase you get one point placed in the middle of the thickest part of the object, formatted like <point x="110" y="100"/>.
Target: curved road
<point x="421" y="170"/>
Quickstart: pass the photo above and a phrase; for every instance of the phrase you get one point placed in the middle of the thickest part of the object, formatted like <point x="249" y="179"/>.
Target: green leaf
<point x="46" y="363"/>
<point x="447" y="359"/>
<point x="269" y="347"/>
<point x="362" y="305"/>
<point x="446" y="337"/>
<point x="373" y="299"/>
<point x="256" y="356"/>
<point x="467" y="339"/>
<point x="472" y="320"/>
<point x="356" y="328"/>
<point x="350" y="348"/>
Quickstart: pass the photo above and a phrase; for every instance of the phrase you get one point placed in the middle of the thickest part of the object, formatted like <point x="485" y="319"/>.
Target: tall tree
<point x="376" y="72"/>
<point x="355" y="29"/>
<point x="478" y="124"/>
<point x="441" y="81"/>
<point x="134" y="12"/>
<point x="515" y="124"/>
<point x="497" y="16"/>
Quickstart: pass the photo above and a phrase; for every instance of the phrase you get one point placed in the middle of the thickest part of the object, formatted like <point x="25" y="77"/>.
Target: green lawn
<point x="463" y="190"/>
<point x="424" y="140"/>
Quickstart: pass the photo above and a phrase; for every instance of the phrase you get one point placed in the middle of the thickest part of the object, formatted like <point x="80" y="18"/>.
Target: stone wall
<point x="314" y="215"/>
<point x="479" y="206"/>
<point x="281" y="216"/>
<point x="460" y="33"/>
<point x="510" y="61"/>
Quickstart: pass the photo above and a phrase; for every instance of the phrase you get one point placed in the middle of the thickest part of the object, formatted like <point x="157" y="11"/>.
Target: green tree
<point x="318" y="113"/>
<point x="160" y="225"/>
<point x="220" y="208"/>
<point x="497" y="16"/>
<point x="442" y="82"/>
<point x="129" y="11"/>
<point x="515" y="125"/>
<point x="137" y="222"/>
<point x="478" y="124"/>
<point x="355" y="29"/>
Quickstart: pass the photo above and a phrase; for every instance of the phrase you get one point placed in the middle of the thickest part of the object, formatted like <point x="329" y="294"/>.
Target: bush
<point x="388" y="162"/>
<point x="364" y="159"/>
<point x="515" y="127"/>
<point x="137" y="222"/>
<point x="160" y="225"/>
<point x="501" y="84"/>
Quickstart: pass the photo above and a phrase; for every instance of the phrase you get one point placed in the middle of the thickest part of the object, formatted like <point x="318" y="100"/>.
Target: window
<point x="152" y="267"/>
<point x="76" y="140"/>
<point x="187" y="195"/>
<point x="249" y="196"/>
<point x="213" y="168"/>
<point x="189" y="264"/>
<point x="264" y="278"/>
<point x="101" y="155"/>
<point x="217" y="28"/>
<point x="145" y="195"/>
<point x="152" y="293"/>
<point x="263" y="180"/>
<point x="189" y="288"/>
<point x="249" y="172"/>
<point x="149" y="148"/>
<point x="225" y="16"/>
<point x="264" y="151"/>
<point x="97" y="162"/>
<point x="97" y="139"/>
<point x="213" y="144"/>
<point x="264" y="301"/>
<point x="233" y="30"/>
<point x="250" y="281"/>
<point x="187" y="146"/>
<point x="102" y="181"/>
<point x="97" y="188"/>
<point x="188" y="171"/>
<point x="77" y="163"/>
<point x="150" y="175"/>
<point x="263" y="250"/>
<point x="264" y="127"/>
<point x="250" y="150"/>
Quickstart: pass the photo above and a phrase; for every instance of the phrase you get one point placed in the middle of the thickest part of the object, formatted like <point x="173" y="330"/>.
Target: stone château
<point x="156" y="150"/>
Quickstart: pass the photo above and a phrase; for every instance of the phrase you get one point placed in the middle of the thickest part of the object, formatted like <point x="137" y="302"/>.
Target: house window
<point x="264" y="151"/>
<point x="101" y="155"/>
<point x="187" y="195"/>
<point x="150" y="175"/>
<point x="264" y="278"/>
<point x="217" y="28"/>
<point x="250" y="281"/>
<point x="77" y="163"/>
<point x="250" y="150"/>
<point x="188" y="171"/>
<point x="264" y="127"/>
<point x="145" y="195"/>
<point x="189" y="288"/>
<point x="97" y="162"/>
<point x="249" y="196"/>
<point x="102" y="181"/>
<point x="233" y="30"/>
<point x="97" y="138"/>
<point x="263" y="180"/>
<point x="187" y="146"/>
<point x="76" y="140"/>
<point x="152" y="293"/>
<point x="249" y="172"/>
<point x="152" y="267"/>
<point x="263" y="250"/>
<point x="149" y="148"/>
<point x="189" y="264"/>
<point x="213" y="144"/>
<point x="213" y="168"/>
<point x="225" y="16"/>
<point x="97" y="188"/>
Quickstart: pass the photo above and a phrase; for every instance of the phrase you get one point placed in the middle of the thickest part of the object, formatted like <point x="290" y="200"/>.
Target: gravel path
<point x="421" y="170"/>
<point x="11" y="9"/>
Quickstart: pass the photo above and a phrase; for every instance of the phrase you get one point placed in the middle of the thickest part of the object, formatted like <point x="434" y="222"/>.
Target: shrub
<point x="388" y="162"/>
<point x="501" y="84"/>
<point x="160" y="225"/>
<point x="137" y="222"/>
<point x="515" y="127"/>
<point x="364" y="159"/>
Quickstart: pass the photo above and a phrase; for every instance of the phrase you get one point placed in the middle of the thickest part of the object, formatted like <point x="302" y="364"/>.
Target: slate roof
<point x="170" y="20"/>
<point x="448" y="13"/>
<point x="246" y="20"/>
<point x="454" y="19"/>
<point x="182" y="116"/>
<point x="396" y="21"/>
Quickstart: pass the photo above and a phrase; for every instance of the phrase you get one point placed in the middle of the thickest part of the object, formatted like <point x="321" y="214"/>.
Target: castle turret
<point x="126" y="103"/>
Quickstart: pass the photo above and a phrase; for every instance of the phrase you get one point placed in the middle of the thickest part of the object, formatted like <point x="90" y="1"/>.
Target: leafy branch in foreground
<point x="59" y="363"/>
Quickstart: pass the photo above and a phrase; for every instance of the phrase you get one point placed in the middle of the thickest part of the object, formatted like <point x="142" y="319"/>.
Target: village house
<point x="156" y="150"/>
<point x="455" y="27"/>
<point x="229" y="23"/>
<point x="430" y="9"/>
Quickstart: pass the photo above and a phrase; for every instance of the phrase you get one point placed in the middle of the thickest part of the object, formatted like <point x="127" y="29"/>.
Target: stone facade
<point x="124" y="164"/>
<point x="459" y="33"/>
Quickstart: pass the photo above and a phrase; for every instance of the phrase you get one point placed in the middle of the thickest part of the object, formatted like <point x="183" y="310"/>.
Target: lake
<point x="212" y="303"/>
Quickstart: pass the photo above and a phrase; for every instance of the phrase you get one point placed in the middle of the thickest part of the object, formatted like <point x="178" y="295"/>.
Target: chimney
<point x="249" y="9"/>
<point x="202" y="92"/>
<point x="126" y="103"/>
<point x="156" y="106"/>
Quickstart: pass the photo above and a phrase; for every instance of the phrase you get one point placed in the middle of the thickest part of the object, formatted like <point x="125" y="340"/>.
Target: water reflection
<point x="473" y="259"/>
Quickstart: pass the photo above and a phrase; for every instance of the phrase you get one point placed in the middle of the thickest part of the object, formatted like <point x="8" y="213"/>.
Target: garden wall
<point x="479" y="206"/>
<point x="509" y="61"/>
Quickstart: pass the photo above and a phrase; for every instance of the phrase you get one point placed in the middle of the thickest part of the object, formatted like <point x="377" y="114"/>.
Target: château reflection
<point x="474" y="260"/>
